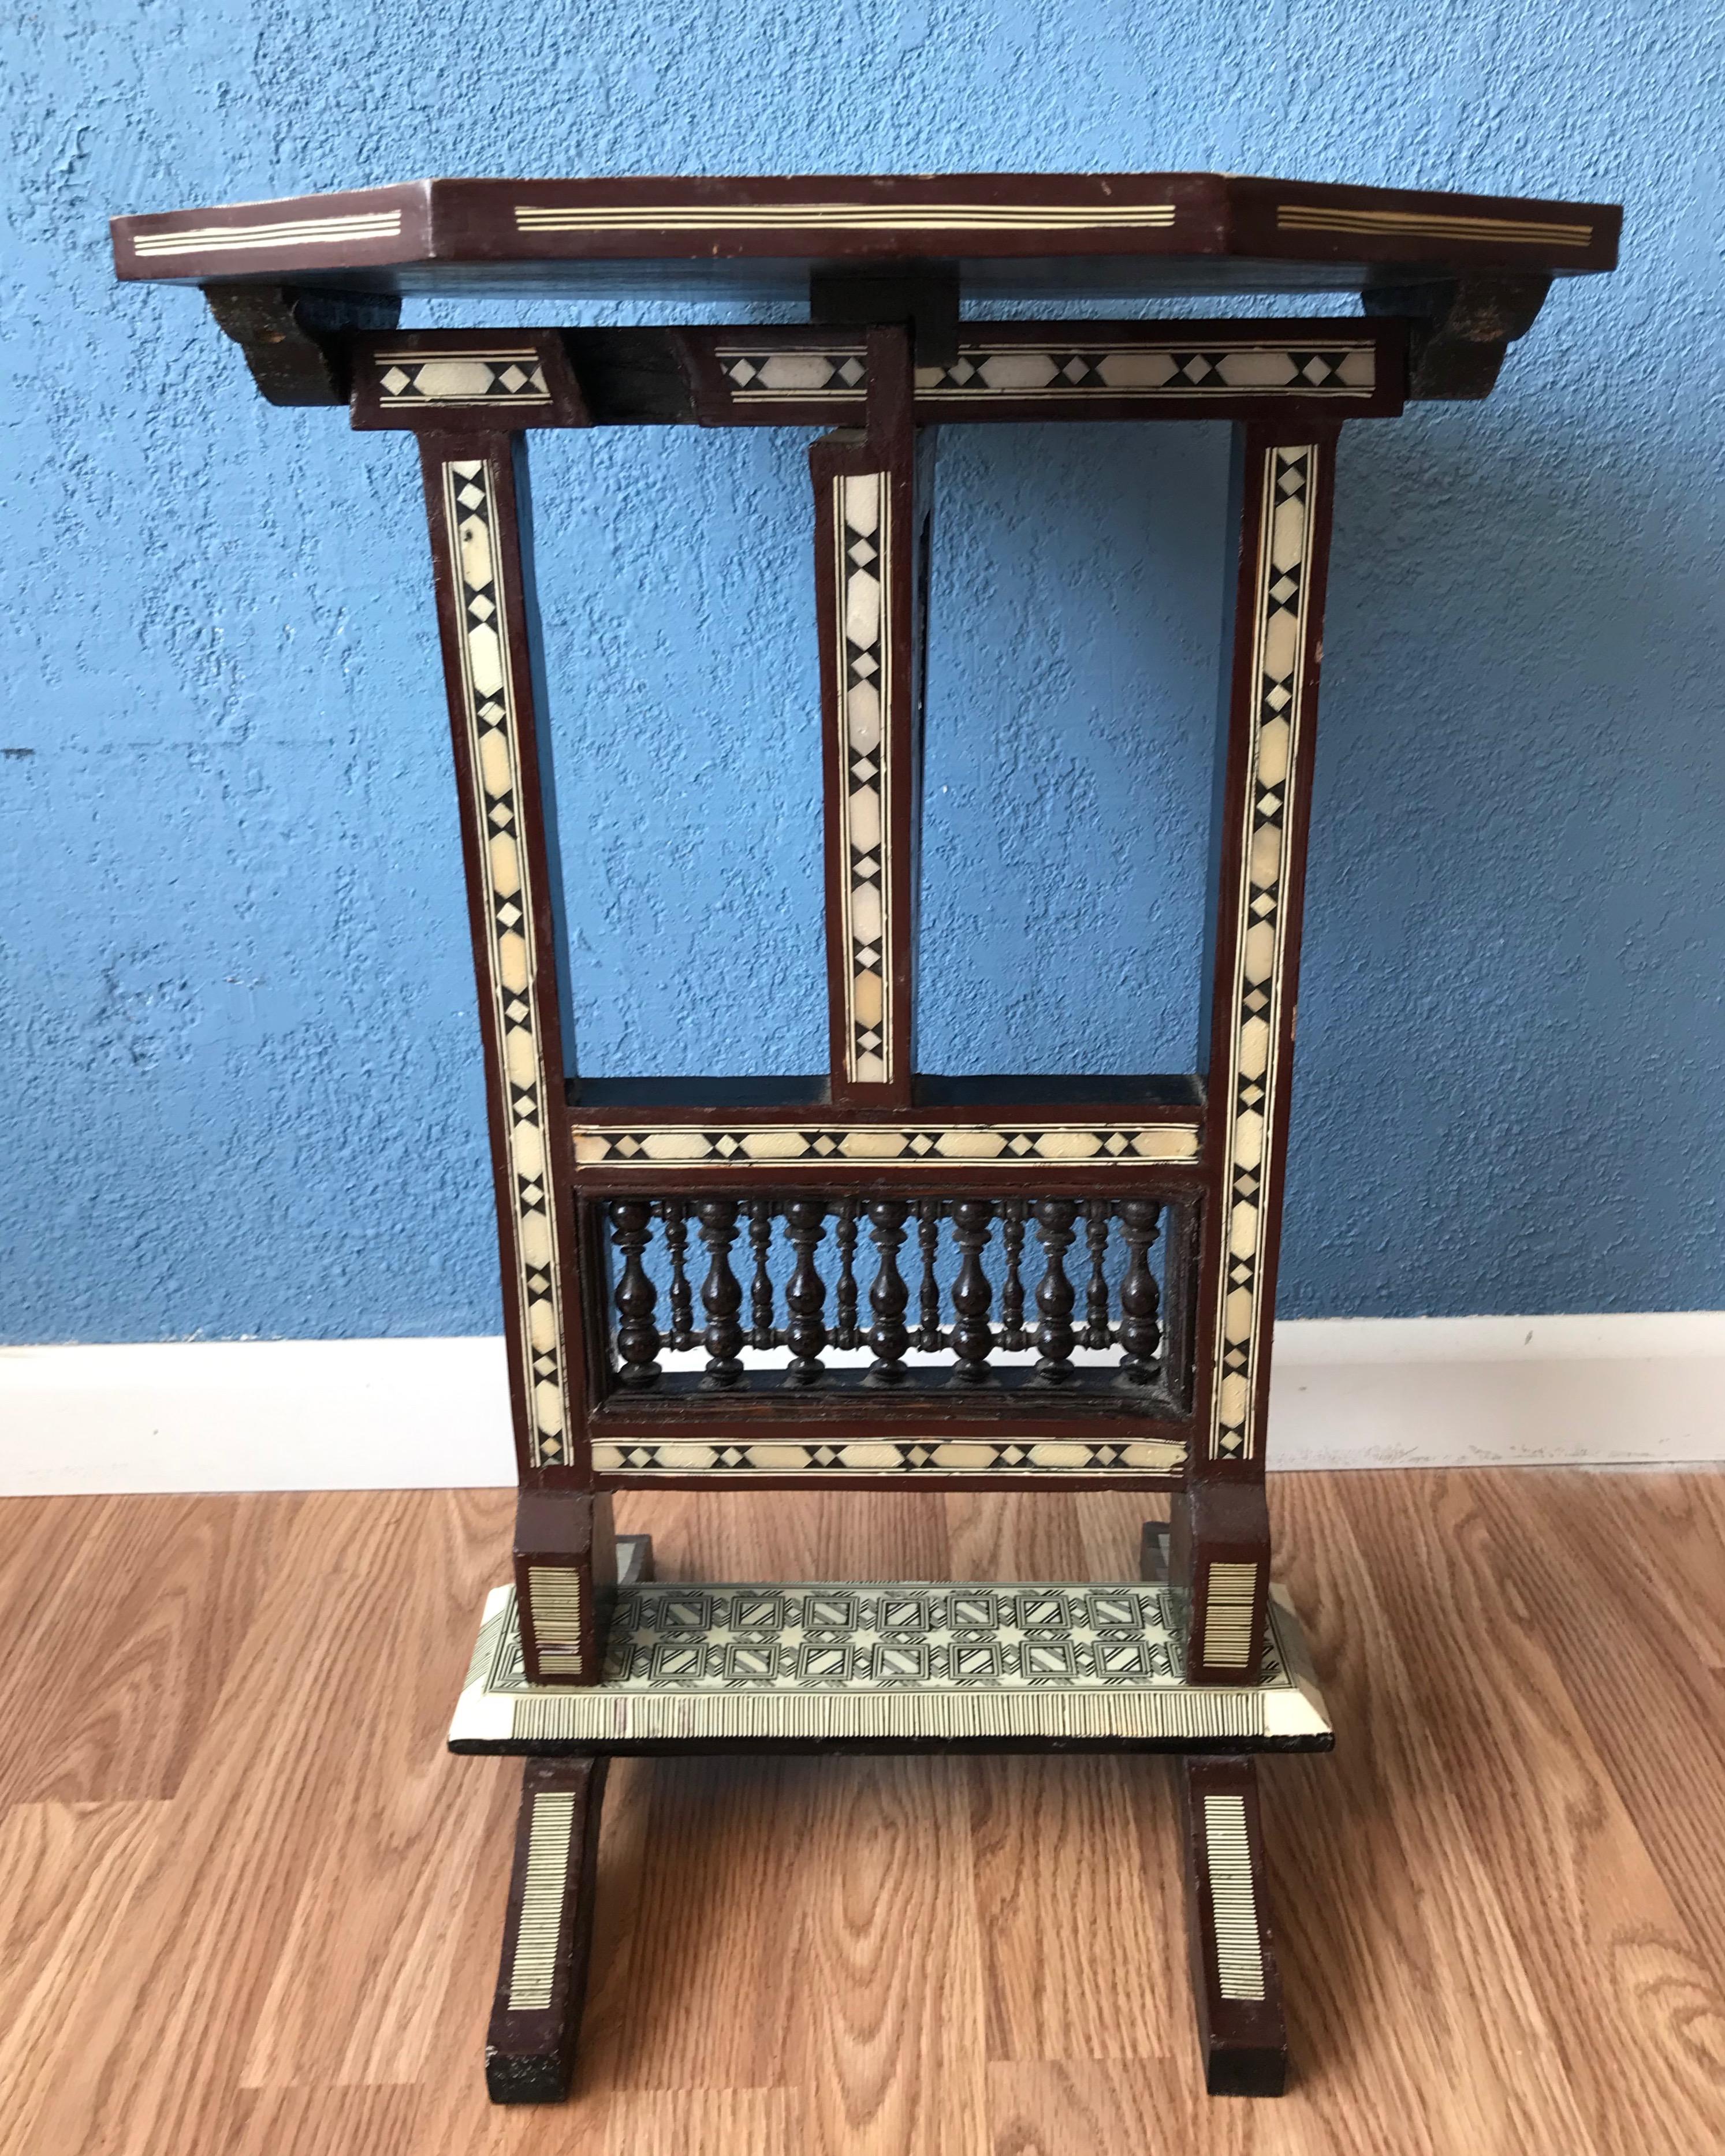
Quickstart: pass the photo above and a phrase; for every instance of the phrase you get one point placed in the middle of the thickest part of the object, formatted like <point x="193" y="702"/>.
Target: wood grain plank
<point x="1021" y="1534"/>
<point x="121" y="1630"/>
<point x="356" y="1987"/>
<point x="325" y="2122"/>
<point x="1408" y="1997"/>
<point x="67" y="1875"/>
<point x="1073" y="1931"/>
<point x="1511" y="1765"/>
<point x="707" y="2122"/>
<point x="725" y="1841"/>
<point x="888" y="2045"/>
<point x="1649" y="1705"/>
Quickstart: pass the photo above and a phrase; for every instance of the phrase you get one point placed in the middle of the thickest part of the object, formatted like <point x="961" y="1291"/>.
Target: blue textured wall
<point x="241" y="1094"/>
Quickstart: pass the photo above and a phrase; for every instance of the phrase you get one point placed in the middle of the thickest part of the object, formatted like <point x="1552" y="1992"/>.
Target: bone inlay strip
<point x="1233" y="1588"/>
<point x="1239" y="1951"/>
<point x="1245" y="1091"/>
<point x="1429" y="225"/>
<point x="554" y="1594"/>
<point x="298" y="232"/>
<point x="512" y="960"/>
<point x="854" y="217"/>
<point x="921" y="1145"/>
<point x="1080" y="371"/>
<point x="485" y="375"/>
<point x="532" y="1972"/>
<point x="862" y="527"/>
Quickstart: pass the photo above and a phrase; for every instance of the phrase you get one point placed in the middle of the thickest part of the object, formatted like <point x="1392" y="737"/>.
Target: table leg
<point x="548" y="1932"/>
<point x="1234" y="1984"/>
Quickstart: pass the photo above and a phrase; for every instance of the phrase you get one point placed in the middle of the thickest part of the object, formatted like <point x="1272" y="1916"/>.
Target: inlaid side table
<point x="875" y="1277"/>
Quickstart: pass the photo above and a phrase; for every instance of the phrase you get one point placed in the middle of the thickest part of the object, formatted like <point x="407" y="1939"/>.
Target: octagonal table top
<point x="1066" y="237"/>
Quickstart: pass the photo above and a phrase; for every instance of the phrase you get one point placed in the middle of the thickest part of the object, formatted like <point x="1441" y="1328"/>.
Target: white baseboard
<point x="391" y="1414"/>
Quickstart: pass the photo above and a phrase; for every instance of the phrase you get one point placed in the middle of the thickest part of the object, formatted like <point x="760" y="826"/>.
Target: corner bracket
<point x="295" y="339"/>
<point x="1460" y="328"/>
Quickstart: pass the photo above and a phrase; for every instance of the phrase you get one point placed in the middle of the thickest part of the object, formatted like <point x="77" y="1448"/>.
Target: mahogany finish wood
<point x="1023" y="235"/>
<point x="547" y="1932"/>
<point x="871" y="1278"/>
<point x="1242" y="2032"/>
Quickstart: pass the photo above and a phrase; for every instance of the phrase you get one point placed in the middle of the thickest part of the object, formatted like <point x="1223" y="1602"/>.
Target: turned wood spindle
<point x="720" y="1292"/>
<point x="972" y="1338"/>
<point x="805" y="1292"/>
<point x="1140" y="1298"/>
<point x="1097" y="1213"/>
<point x="1055" y="1294"/>
<point x="674" y="1212"/>
<point x="928" y="1236"/>
<point x="635" y="1296"/>
<point x="889" y="1336"/>
<point x="844" y="1331"/>
<point x="1012" y="1335"/>
<point x="761" y="1333"/>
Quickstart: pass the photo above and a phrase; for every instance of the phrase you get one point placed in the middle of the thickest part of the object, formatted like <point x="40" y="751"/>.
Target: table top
<point x="1014" y="236"/>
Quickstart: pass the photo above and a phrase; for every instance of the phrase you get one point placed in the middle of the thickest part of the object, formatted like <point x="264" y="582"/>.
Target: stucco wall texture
<point x="242" y="1095"/>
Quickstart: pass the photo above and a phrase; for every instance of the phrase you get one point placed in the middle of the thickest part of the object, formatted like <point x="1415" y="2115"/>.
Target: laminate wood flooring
<point x="249" y="1904"/>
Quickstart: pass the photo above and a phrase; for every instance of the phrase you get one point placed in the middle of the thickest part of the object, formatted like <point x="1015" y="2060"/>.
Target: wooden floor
<point x="251" y="1905"/>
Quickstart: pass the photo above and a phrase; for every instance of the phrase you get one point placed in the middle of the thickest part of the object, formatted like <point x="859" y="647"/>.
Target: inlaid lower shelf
<point x="890" y="1666"/>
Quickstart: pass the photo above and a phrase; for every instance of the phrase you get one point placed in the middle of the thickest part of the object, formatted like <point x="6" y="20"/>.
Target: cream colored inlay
<point x="811" y="1459"/>
<point x="917" y="1144"/>
<point x="890" y="1659"/>
<point x="1234" y="1907"/>
<point x="515" y="975"/>
<point x="1244" y="1092"/>
<point x="554" y="1601"/>
<point x="532" y="1972"/>
<point x="862" y="571"/>
<point x="1230" y="1593"/>
<point x="292" y="232"/>
<point x="842" y="216"/>
<point x="1429" y="225"/>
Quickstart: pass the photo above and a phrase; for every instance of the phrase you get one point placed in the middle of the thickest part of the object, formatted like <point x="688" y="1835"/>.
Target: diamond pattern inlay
<point x="1132" y="369"/>
<point x="1248" y="1087"/>
<point x="480" y="377"/>
<point x="862" y="520"/>
<point x="941" y="1145"/>
<point x="510" y="957"/>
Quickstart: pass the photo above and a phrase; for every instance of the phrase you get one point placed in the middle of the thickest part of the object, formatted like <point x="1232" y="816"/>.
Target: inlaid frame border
<point x="473" y="490"/>
<point x="868" y="593"/>
<point x="1283" y="483"/>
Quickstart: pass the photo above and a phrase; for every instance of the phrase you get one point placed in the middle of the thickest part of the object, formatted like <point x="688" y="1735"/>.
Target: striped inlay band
<point x="1429" y="225"/>
<point x="532" y="1972"/>
<point x="1234" y="1909"/>
<point x="296" y="232"/>
<point x="852" y="217"/>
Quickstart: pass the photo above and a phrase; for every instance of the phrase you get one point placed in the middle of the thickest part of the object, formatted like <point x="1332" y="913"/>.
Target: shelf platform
<point x="911" y="1665"/>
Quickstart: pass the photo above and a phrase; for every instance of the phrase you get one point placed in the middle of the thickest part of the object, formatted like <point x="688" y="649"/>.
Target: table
<point x="908" y="1279"/>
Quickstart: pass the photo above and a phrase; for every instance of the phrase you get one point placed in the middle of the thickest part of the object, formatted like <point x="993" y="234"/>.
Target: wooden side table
<point x="905" y="1279"/>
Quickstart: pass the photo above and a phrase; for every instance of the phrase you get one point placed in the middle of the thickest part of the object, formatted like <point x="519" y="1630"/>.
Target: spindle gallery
<point x="875" y="1277"/>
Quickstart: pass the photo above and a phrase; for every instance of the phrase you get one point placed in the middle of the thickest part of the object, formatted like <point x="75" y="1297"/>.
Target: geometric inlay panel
<point x="907" y="1658"/>
<point x="1062" y="1459"/>
<point x="1074" y="371"/>
<point x="923" y="1145"/>
<point x="492" y="375"/>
